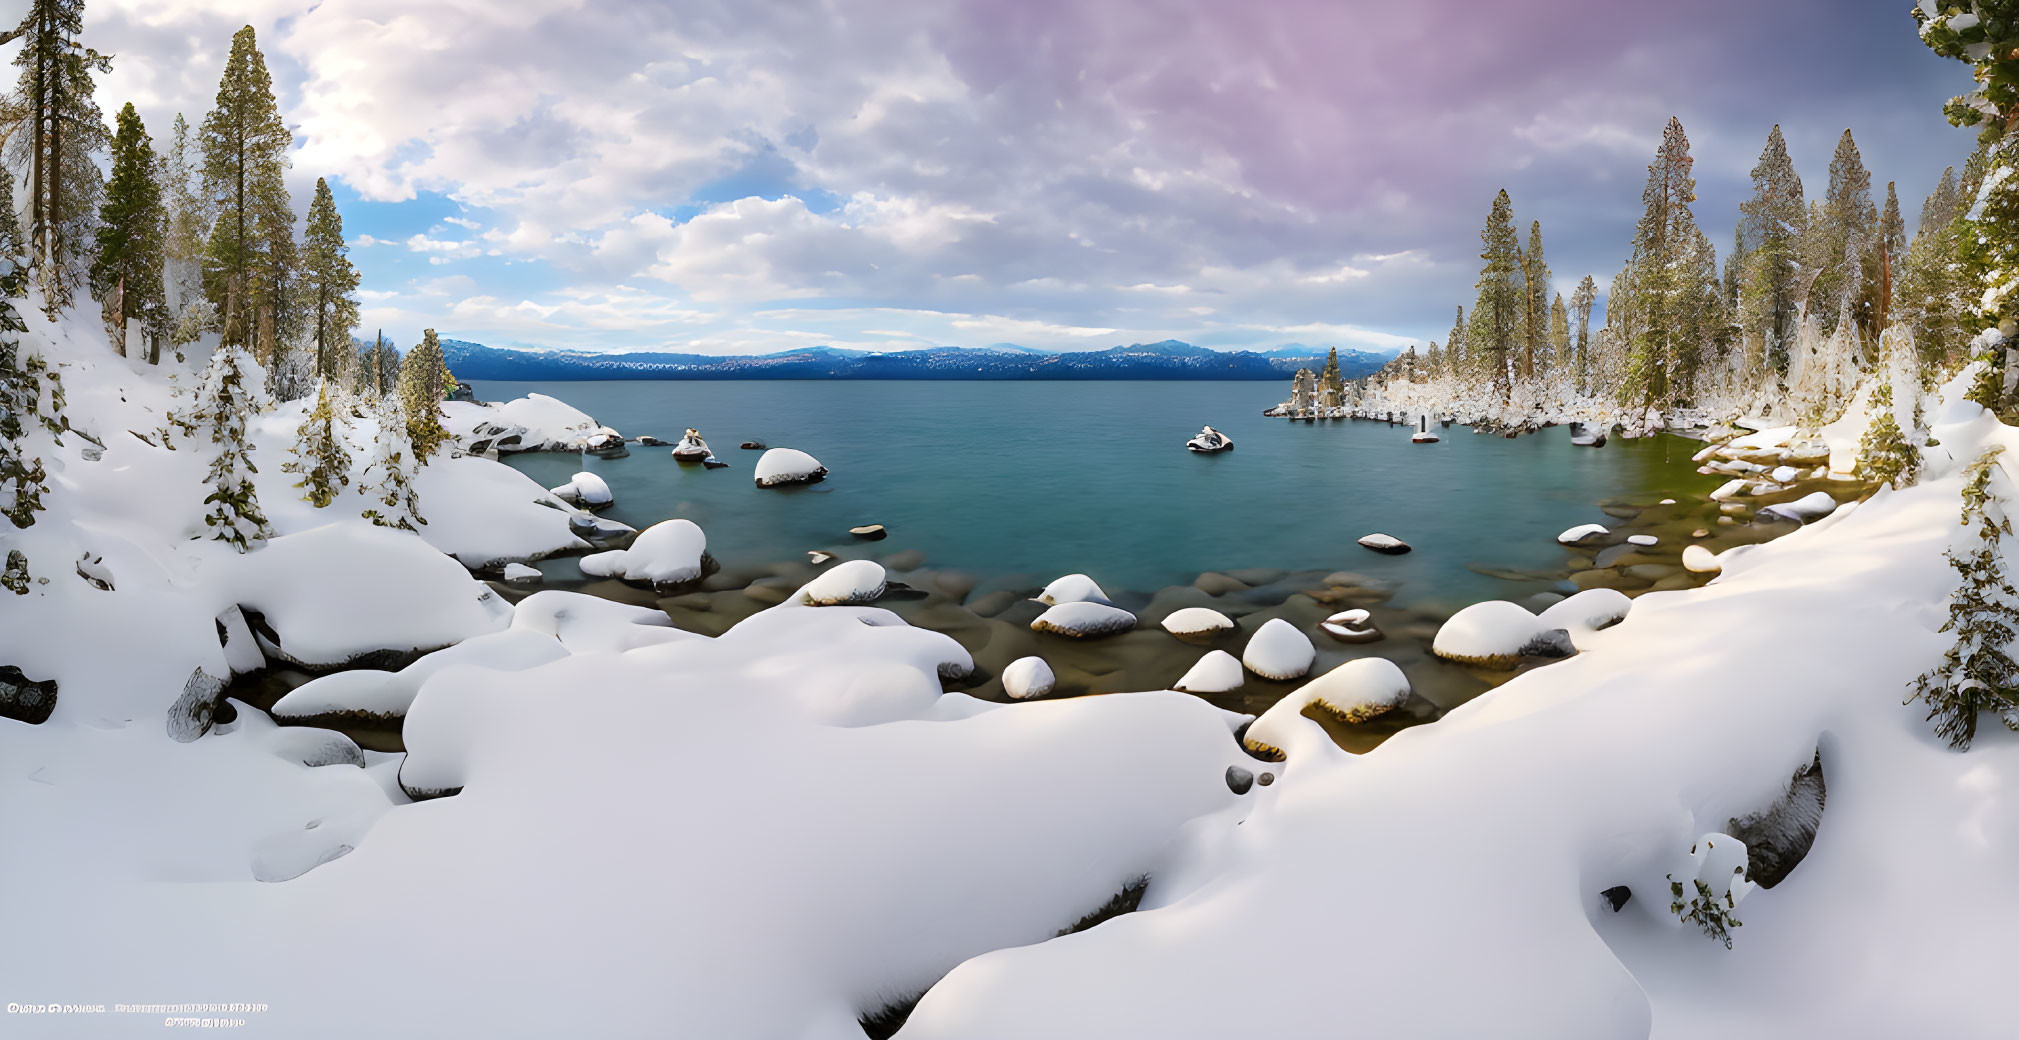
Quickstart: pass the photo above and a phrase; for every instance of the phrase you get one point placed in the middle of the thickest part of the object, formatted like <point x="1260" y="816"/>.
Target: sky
<point x="736" y="177"/>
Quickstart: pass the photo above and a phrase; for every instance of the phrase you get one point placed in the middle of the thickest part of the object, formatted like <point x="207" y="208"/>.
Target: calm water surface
<point x="1024" y="481"/>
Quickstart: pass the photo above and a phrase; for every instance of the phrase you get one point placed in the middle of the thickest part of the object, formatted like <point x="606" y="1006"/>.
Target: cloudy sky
<point x="739" y="176"/>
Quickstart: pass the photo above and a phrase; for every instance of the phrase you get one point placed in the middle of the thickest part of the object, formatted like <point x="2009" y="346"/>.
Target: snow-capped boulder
<point x="1386" y="544"/>
<point x="1498" y="634"/>
<point x="1583" y="533"/>
<point x="1027" y="678"/>
<point x="1700" y="560"/>
<point x="586" y="624"/>
<point x="1279" y="651"/>
<point x="1217" y="672"/>
<point x="1587" y="611"/>
<point x="1354" y="692"/>
<point x="586" y="490"/>
<point x="782" y="467"/>
<point x="373" y="695"/>
<point x="1084" y="619"/>
<point x="1786" y="474"/>
<point x="1073" y="588"/>
<point x="188" y="718"/>
<point x="520" y="574"/>
<point x="1196" y="624"/>
<point x="24" y="699"/>
<point x="1351" y="626"/>
<point x="1210" y="440"/>
<point x="1642" y="540"/>
<point x="691" y="447"/>
<point x="1728" y="489"/>
<point x="870" y="532"/>
<point x="1813" y="506"/>
<point x="856" y="581"/>
<point x="666" y="555"/>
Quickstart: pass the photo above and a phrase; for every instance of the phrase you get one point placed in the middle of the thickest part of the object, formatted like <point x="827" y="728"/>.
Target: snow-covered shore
<point x="629" y="830"/>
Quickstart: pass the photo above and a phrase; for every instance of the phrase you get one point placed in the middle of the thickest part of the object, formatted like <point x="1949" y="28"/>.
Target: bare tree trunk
<point x="117" y="319"/>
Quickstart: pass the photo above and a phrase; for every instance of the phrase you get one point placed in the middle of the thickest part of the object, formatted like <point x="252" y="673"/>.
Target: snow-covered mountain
<point x="1169" y="359"/>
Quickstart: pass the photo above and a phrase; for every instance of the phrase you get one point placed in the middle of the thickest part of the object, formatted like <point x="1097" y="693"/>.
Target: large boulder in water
<point x="1084" y="620"/>
<point x="1279" y="651"/>
<point x="1073" y="588"/>
<point x="782" y="467"/>
<point x="667" y="555"/>
<point x="1027" y="678"/>
<point x="586" y="490"/>
<point x="856" y="581"/>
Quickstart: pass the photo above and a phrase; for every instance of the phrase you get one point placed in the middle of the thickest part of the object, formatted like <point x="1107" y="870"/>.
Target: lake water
<point x="1023" y="481"/>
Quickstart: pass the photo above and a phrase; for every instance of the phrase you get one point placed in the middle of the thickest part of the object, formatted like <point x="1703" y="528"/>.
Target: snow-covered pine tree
<point x="321" y="455"/>
<point x="24" y="409"/>
<point x="53" y="128"/>
<point x="1980" y="34"/>
<point x="1884" y="454"/>
<point x="1929" y="297"/>
<point x="131" y="231"/>
<point x="389" y="478"/>
<point x="424" y="383"/>
<point x="231" y="392"/>
<point x="1458" y="354"/>
<point x="1661" y="316"/>
<point x="1581" y="304"/>
<point x="1535" y="305"/>
<point x="1978" y="673"/>
<point x="330" y="282"/>
<point x="1771" y="229"/>
<point x="1840" y="244"/>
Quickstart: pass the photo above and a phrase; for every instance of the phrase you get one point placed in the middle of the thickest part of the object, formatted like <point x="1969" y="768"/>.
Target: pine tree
<point x="331" y="280"/>
<point x="244" y="160"/>
<point x="1559" y="341"/>
<point x="424" y="383"/>
<point x="11" y="242"/>
<point x="1843" y="242"/>
<point x="1458" y="354"/>
<point x="189" y="220"/>
<point x="321" y="456"/>
<point x="1535" y="304"/>
<point x="231" y="392"/>
<point x="391" y="471"/>
<point x="53" y="129"/>
<point x="1889" y="250"/>
<point x="1581" y="304"/>
<point x="1942" y="204"/>
<point x="1929" y="297"/>
<point x="1659" y="314"/>
<point x="1884" y="454"/>
<point x="1980" y="34"/>
<point x="132" y="226"/>
<point x="1978" y="673"/>
<point x="1497" y="316"/>
<point x="1770" y="234"/>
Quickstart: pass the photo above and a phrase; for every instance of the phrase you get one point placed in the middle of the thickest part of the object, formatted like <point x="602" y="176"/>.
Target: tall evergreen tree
<point x="1455" y="348"/>
<point x="1889" y="250"/>
<point x="1559" y="342"/>
<point x="131" y="231"/>
<point x="1929" y="299"/>
<point x="244" y="162"/>
<point x="331" y="281"/>
<point x="53" y="129"/>
<point x="1659" y="314"/>
<point x="1770" y="233"/>
<point x="1535" y="304"/>
<point x="1842" y="245"/>
<point x="1497" y="316"/>
<point x="12" y="243"/>
<point x="1582" y="302"/>
<point x="389" y="478"/>
<point x="1941" y="205"/>
<point x="31" y="406"/>
<point x="1981" y="35"/>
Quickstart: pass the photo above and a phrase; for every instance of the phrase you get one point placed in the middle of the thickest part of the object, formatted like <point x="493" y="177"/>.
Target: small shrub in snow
<point x="231" y="392"/>
<point x="1978" y="673"/>
<point x="319" y="452"/>
<point x="1713" y="883"/>
<point x="1884" y="454"/>
<point x="391" y="471"/>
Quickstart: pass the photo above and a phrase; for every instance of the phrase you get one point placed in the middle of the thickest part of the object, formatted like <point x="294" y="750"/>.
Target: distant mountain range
<point x="1169" y="359"/>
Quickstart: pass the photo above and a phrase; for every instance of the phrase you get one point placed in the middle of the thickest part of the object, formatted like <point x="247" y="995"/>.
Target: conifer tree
<point x="1942" y="204"/>
<point x="231" y="392"/>
<point x="53" y="129"/>
<point x="1929" y="297"/>
<point x="389" y="478"/>
<point x="1559" y="341"/>
<point x="1981" y="34"/>
<point x="1889" y="250"/>
<point x="424" y="383"/>
<point x="321" y="456"/>
<point x="1659" y="313"/>
<point x="1535" y="304"/>
<point x="1457" y="352"/>
<point x="1497" y="316"/>
<point x="1884" y="453"/>
<point x="331" y="281"/>
<point x="1581" y="304"/>
<point x="12" y="244"/>
<point x="1770" y="234"/>
<point x="1978" y="673"/>
<point x="131" y="229"/>
<point x="31" y="402"/>
<point x="189" y="219"/>
<point x="244" y="160"/>
<point x="1841" y="244"/>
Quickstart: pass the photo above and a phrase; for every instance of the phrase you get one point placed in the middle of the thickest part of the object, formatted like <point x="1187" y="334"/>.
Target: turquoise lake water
<point x="1020" y="482"/>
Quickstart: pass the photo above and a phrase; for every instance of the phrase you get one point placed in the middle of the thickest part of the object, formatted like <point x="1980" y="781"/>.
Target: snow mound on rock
<point x="1581" y="533"/>
<point x="585" y="489"/>
<point x="856" y="581"/>
<point x="1195" y="622"/>
<point x="1354" y="692"/>
<point x="1700" y="560"/>
<point x="1073" y="588"/>
<point x="369" y="693"/>
<point x="666" y="554"/>
<point x="1027" y="678"/>
<point x="1813" y="506"/>
<point x="779" y="467"/>
<point x="1217" y="672"/>
<point x="1279" y="651"/>
<point x="1586" y="611"/>
<point x="1084" y="619"/>
<point x="1498" y="634"/>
